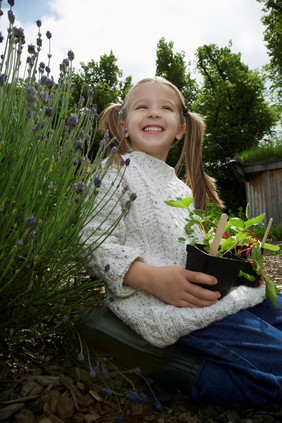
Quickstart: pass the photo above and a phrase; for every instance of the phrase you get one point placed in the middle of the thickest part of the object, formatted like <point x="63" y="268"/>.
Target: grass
<point x="264" y="153"/>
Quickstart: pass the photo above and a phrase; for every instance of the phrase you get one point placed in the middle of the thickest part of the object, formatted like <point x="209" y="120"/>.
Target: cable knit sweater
<point x="149" y="232"/>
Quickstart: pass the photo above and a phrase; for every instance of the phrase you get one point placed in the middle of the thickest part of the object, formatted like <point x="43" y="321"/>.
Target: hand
<point x="178" y="286"/>
<point x="174" y="285"/>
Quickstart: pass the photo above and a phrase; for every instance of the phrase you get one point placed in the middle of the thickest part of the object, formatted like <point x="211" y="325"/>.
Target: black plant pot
<point x="225" y="269"/>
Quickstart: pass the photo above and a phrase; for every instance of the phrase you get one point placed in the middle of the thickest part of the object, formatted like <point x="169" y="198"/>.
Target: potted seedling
<point x="229" y="249"/>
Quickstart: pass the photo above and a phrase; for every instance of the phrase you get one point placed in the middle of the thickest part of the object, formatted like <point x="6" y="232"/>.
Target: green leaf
<point x="174" y="203"/>
<point x="271" y="247"/>
<point x="200" y="213"/>
<point x="192" y="239"/>
<point x="246" y="275"/>
<point x="239" y="223"/>
<point x="270" y="290"/>
<point x="247" y="211"/>
<point x="256" y="255"/>
<point x="187" y="201"/>
<point x="188" y="228"/>
<point x="254" y="220"/>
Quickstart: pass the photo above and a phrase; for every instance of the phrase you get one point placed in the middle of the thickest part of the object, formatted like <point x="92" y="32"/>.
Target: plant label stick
<point x="218" y="235"/>
<point x="266" y="232"/>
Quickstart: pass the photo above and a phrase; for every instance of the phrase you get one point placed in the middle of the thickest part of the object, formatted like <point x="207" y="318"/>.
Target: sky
<point x="132" y="30"/>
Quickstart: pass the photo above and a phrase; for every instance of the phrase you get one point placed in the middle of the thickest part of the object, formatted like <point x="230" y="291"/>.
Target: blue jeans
<point x="242" y="357"/>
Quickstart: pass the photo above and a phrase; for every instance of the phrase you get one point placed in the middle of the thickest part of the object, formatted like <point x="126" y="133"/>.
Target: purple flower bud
<point x="108" y="392"/>
<point x="158" y="405"/>
<point x="90" y="93"/>
<point x="133" y="196"/>
<point x="79" y="144"/>
<point x="52" y="187"/>
<point x="125" y="188"/>
<point x="72" y="120"/>
<point x="111" y="298"/>
<point x="49" y="82"/>
<point x="31" y="49"/>
<point x="1" y="37"/>
<point x="87" y="137"/>
<point x="122" y="162"/>
<point x="65" y="319"/>
<point x="42" y="65"/>
<point x="11" y="2"/>
<point x="32" y="234"/>
<point x="38" y="23"/>
<point x="80" y="357"/>
<point x="79" y="187"/>
<point x="66" y="62"/>
<point x="11" y="16"/>
<point x="3" y="79"/>
<point x="114" y="150"/>
<point x="39" y="42"/>
<point x="93" y="373"/>
<point x="48" y="70"/>
<point x="119" y="418"/>
<point x="70" y="55"/>
<point x="19" y="243"/>
<point x="77" y="199"/>
<point x="63" y="68"/>
<point x="127" y="161"/>
<point x="30" y="221"/>
<point x="48" y="35"/>
<point x="48" y="111"/>
<point x="127" y="205"/>
<point x="107" y="267"/>
<point x="75" y="162"/>
<point x="97" y="181"/>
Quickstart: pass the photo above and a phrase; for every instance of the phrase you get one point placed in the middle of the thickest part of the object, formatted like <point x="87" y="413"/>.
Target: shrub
<point x="45" y="176"/>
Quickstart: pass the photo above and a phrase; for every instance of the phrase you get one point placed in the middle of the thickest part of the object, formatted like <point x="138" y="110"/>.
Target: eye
<point x="141" y="106"/>
<point x="166" y="107"/>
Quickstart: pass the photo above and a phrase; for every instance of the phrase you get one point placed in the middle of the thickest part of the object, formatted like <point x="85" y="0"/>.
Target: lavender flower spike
<point x="70" y="55"/>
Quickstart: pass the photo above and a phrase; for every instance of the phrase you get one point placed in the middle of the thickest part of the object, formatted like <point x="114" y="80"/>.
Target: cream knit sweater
<point x="149" y="232"/>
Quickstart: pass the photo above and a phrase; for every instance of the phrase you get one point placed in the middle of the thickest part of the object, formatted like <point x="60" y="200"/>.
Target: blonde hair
<point x="203" y="186"/>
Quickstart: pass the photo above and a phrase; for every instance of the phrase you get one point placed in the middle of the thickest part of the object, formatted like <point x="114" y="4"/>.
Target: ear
<point x="122" y="125"/>
<point x="180" y="133"/>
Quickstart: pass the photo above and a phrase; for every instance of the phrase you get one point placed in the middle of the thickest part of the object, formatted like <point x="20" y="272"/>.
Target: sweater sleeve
<point x="104" y="253"/>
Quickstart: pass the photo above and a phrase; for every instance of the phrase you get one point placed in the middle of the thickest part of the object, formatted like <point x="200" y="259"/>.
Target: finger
<point x="199" y="277"/>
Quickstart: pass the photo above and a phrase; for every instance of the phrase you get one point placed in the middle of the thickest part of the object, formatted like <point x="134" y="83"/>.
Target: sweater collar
<point x="150" y="162"/>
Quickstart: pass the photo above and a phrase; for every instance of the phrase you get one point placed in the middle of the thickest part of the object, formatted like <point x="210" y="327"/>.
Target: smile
<point x="153" y="129"/>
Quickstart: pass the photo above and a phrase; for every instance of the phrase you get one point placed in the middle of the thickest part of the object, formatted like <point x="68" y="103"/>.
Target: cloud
<point x="132" y="30"/>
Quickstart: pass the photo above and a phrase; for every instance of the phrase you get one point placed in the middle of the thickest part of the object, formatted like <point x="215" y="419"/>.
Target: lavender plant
<point x="46" y="175"/>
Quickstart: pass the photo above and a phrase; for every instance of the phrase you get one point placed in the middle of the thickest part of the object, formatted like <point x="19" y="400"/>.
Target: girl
<point x="143" y="264"/>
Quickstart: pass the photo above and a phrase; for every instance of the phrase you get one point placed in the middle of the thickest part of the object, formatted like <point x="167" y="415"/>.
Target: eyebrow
<point x="145" y="100"/>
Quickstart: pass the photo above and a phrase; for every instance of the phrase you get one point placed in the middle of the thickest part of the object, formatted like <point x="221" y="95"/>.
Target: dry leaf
<point x="96" y="395"/>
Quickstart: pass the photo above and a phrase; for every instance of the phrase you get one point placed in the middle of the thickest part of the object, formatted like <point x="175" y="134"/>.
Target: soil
<point x="39" y="386"/>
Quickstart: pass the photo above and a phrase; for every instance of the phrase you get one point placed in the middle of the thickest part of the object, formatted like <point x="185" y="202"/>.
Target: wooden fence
<point x="263" y="189"/>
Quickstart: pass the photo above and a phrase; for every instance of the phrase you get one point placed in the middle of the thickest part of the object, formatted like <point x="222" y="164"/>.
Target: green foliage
<point x="264" y="152"/>
<point x="272" y="20"/>
<point x="236" y="114"/>
<point x="237" y="237"/>
<point x="45" y="178"/>
<point x="104" y="79"/>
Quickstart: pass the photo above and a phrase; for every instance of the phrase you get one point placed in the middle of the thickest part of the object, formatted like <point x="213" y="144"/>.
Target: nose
<point x="154" y="112"/>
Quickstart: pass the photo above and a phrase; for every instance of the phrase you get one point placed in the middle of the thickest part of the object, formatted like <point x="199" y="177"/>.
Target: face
<point x="153" y="119"/>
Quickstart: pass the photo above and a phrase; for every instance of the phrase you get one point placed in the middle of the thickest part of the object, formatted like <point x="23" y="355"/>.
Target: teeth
<point x="153" y="128"/>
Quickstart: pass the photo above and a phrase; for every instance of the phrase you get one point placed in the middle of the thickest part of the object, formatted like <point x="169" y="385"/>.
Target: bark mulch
<point x="37" y="386"/>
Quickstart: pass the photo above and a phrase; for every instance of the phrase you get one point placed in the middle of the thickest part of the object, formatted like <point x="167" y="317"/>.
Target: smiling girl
<point x="239" y="336"/>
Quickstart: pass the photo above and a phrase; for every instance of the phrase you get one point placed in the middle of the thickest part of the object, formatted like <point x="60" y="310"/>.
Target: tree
<point x="104" y="79"/>
<point x="236" y="114"/>
<point x="172" y="66"/>
<point x="272" y="19"/>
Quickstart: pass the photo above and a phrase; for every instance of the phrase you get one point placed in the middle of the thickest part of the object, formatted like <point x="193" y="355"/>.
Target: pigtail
<point x="110" y="121"/>
<point x="202" y="185"/>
